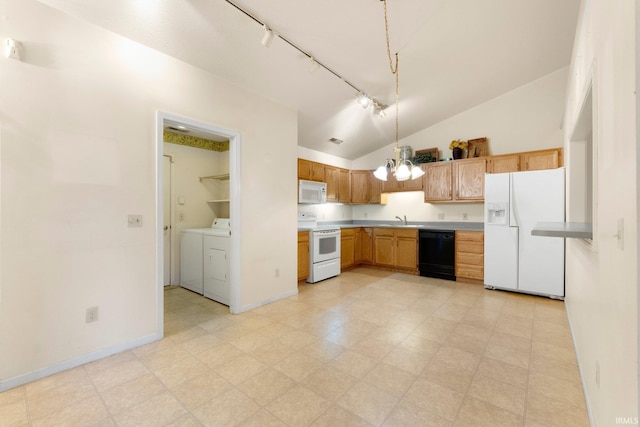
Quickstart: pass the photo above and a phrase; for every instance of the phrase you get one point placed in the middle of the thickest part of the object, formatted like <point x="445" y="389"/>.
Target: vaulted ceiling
<point x="454" y="54"/>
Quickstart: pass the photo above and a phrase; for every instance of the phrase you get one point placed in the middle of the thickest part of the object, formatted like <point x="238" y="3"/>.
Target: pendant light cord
<point x="394" y="70"/>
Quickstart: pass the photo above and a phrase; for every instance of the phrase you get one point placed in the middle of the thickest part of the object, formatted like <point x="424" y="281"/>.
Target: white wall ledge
<point x="572" y="230"/>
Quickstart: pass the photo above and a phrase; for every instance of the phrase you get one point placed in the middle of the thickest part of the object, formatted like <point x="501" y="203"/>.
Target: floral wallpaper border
<point x="194" y="141"/>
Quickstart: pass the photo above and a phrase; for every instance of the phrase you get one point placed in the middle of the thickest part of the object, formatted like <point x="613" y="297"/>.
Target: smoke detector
<point x="336" y="141"/>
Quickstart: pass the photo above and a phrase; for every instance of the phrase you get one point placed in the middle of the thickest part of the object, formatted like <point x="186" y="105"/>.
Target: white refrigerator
<point x="514" y="259"/>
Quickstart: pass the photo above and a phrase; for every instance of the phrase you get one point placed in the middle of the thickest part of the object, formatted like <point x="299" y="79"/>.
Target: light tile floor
<point x="367" y="348"/>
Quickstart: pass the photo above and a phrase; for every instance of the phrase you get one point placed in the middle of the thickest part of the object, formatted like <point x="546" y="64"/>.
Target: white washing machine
<point x="204" y="260"/>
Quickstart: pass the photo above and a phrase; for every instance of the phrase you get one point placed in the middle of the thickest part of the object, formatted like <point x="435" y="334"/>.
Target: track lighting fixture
<point x="364" y="100"/>
<point x="267" y="38"/>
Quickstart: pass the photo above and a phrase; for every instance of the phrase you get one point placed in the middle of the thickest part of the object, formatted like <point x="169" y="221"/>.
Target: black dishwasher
<point x="437" y="252"/>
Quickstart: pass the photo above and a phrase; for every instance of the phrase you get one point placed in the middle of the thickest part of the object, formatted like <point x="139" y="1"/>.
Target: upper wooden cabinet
<point x="360" y="186"/>
<point x="311" y="171"/>
<point x="393" y="185"/>
<point x="504" y="163"/>
<point x="469" y="179"/>
<point x="455" y="181"/>
<point x="527" y="161"/>
<point x="344" y="186"/>
<point x="338" y="184"/>
<point x="437" y="180"/>
<point x="543" y="159"/>
<point x="365" y="188"/>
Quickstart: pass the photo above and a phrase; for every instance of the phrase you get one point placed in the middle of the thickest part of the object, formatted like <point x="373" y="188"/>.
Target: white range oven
<point x="324" y="248"/>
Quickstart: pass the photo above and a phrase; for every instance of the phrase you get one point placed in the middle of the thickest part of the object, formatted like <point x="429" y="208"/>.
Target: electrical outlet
<point x="92" y="315"/>
<point x="441" y="216"/>
<point x="464" y="216"/>
<point x="180" y="216"/>
<point x="277" y="272"/>
<point x="598" y="374"/>
<point x="366" y="215"/>
<point x="134" y="220"/>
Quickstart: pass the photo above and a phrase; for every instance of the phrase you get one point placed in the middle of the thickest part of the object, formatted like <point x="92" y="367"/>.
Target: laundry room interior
<point x="198" y="185"/>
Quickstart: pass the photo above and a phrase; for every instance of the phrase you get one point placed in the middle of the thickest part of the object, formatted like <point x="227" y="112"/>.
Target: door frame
<point x="234" y="208"/>
<point x="171" y="216"/>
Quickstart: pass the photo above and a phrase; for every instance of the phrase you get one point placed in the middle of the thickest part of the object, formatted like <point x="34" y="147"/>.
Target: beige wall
<point x="602" y="281"/>
<point x="79" y="153"/>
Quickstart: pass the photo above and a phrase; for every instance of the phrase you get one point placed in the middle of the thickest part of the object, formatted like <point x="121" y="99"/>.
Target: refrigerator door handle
<point x="513" y="217"/>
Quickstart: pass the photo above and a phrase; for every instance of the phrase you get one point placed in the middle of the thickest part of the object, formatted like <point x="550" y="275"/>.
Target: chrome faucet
<point x="404" y="221"/>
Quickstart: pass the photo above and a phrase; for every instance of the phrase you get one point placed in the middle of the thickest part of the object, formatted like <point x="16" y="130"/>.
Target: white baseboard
<point x="580" y="369"/>
<point x="75" y="362"/>
<point x="267" y="301"/>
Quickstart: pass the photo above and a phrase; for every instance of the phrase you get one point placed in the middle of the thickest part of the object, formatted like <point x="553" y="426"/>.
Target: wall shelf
<point x="574" y="230"/>
<point x="221" y="177"/>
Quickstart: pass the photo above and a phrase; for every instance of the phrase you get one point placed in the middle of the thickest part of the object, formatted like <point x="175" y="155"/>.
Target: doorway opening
<point x="186" y="208"/>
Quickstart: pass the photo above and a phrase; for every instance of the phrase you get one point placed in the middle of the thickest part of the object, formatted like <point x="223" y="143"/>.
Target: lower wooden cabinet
<point x="394" y="247"/>
<point x="364" y="246"/>
<point x="303" y="255"/>
<point x="469" y="260"/>
<point x="347" y="247"/>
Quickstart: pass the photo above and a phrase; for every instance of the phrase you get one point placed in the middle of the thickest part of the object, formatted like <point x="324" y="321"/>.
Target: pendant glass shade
<point x="416" y="172"/>
<point x="402" y="172"/>
<point x="381" y="173"/>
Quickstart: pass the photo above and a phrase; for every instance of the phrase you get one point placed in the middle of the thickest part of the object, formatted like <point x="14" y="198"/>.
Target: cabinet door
<point x="437" y="182"/>
<point x="383" y="246"/>
<point x="347" y="247"/>
<point x="390" y="185"/>
<point x="375" y="189"/>
<point x="364" y="246"/>
<point x="543" y="159"/>
<point x="303" y="255"/>
<point x="360" y="186"/>
<point x="304" y="169"/>
<point x="344" y="186"/>
<point x="406" y="255"/>
<point x="469" y="179"/>
<point x="504" y="164"/>
<point x="412" y="184"/>
<point x="317" y="172"/>
<point x="332" y="178"/>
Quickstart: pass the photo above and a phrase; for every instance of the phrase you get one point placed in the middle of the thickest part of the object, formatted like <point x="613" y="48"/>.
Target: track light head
<point x="267" y="38"/>
<point x="364" y="100"/>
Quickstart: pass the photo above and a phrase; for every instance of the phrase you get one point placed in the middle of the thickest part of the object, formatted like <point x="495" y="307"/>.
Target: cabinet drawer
<point x="470" y="236"/>
<point x="348" y="232"/>
<point x="303" y="236"/>
<point x="383" y="232"/>
<point x="471" y="259"/>
<point x="412" y="234"/>
<point x="471" y="247"/>
<point x="470" y="271"/>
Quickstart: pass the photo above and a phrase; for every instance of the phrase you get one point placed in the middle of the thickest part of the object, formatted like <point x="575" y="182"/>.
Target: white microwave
<point x="310" y="192"/>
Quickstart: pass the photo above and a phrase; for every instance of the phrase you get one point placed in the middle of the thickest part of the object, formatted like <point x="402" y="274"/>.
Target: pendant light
<point x="402" y="169"/>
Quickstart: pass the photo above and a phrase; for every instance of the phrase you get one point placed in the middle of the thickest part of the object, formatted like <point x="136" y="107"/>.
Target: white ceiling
<point x="454" y="54"/>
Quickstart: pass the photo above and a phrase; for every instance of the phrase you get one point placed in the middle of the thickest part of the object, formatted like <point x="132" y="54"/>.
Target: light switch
<point x="181" y="200"/>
